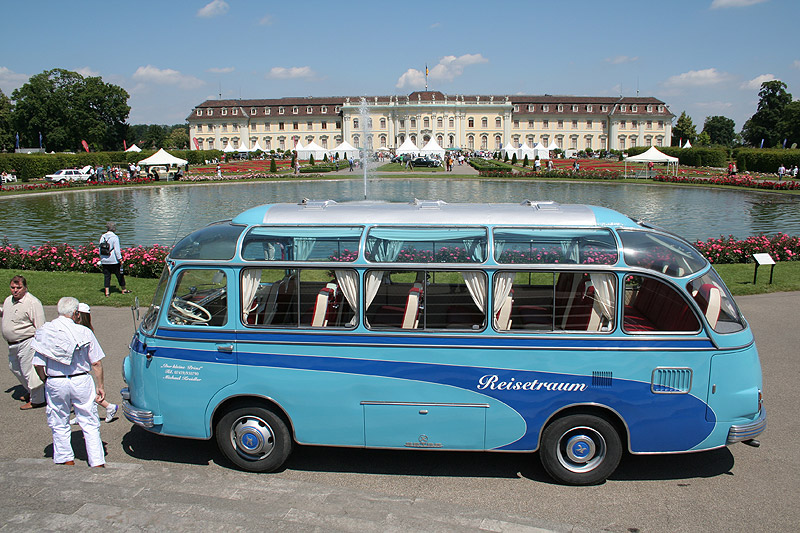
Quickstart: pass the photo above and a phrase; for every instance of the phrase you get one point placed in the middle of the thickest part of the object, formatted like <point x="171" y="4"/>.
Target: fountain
<point x="366" y="134"/>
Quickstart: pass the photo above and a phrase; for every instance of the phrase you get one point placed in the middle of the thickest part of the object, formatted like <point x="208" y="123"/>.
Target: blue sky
<point x="708" y="57"/>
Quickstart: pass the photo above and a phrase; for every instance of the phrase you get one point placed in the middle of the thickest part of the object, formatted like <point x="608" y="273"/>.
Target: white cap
<point x="84" y="308"/>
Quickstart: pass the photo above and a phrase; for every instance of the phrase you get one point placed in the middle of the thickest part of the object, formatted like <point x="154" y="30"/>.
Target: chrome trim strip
<point x="740" y="432"/>
<point x="427" y="404"/>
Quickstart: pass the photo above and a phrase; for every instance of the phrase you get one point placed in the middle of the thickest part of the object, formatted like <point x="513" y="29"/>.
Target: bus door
<point x="193" y="354"/>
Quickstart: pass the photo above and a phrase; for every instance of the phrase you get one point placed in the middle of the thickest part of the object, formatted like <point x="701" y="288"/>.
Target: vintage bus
<point x="567" y="330"/>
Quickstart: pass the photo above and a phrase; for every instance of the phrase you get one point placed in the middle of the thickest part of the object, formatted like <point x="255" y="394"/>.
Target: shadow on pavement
<point x="141" y="444"/>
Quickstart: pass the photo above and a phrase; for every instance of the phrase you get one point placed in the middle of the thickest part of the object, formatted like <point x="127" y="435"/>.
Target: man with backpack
<point x="111" y="258"/>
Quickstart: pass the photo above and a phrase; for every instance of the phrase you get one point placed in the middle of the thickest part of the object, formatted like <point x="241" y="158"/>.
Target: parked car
<point x="426" y="162"/>
<point x="70" y="174"/>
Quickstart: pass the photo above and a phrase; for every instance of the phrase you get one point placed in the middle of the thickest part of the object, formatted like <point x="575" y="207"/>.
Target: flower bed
<point x="734" y="181"/>
<point x="75" y="185"/>
<point x="138" y="261"/>
<point x="781" y="247"/>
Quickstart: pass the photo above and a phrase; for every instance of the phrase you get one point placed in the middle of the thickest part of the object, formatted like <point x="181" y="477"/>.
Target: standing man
<point x="65" y="355"/>
<point x="111" y="258"/>
<point x="22" y="313"/>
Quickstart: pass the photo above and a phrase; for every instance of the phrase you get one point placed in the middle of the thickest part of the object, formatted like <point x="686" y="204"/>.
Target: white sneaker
<point x="111" y="412"/>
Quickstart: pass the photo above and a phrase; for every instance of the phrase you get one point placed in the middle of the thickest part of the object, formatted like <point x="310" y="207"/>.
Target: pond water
<point x="162" y="215"/>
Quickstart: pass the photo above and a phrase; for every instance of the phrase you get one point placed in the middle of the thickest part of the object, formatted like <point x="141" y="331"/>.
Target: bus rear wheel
<point x="580" y="449"/>
<point x="255" y="439"/>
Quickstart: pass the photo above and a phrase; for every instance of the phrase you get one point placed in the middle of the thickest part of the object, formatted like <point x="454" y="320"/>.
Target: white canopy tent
<point x="345" y="150"/>
<point x="310" y="149"/>
<point x="407" y="147"/>
<point x="509" y="150"/>
<point x="162" y="158"/>
<point x="525" y="150"/>
<point x="553" y="146"/>
<point x="653" y="155"/>
<point x="432" y="148"/>
<point x="541" y="151"/>
<point x="688" y="144"/>
<point x="257" y="147"/>
<point x="133" y="148"/>
<point x="298" y="146"/>
<point x="243" y="148"/>
<point x="228" y="148"/>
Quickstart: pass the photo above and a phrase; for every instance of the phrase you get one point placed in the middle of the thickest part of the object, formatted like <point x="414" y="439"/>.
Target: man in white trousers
<point x="66" y="356"/>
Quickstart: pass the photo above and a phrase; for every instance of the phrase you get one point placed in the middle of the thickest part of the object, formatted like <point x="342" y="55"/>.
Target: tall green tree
<point x="6" y="129"/>
<point x="720" y="130"/>
<point x="789" y="124"/>
<point x="684" y="130"/>
<point x="67" y="108"/>
<point x="772" y="99"/>
<point x="178" y="138"/>
<point x="155" y="136"/>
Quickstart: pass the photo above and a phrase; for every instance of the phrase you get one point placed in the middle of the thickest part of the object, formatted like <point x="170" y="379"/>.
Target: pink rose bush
<point x="781" y="247"/>
<point x="137" y="261"/>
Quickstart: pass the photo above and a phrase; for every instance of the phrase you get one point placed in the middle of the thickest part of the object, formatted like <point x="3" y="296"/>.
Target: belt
<point x="70" y="376"/>
<point x="19" y="342"/>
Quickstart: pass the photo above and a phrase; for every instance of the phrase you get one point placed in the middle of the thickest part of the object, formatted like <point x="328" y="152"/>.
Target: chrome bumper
<point x="750" y="430"/>
<point x="140" y="417"/>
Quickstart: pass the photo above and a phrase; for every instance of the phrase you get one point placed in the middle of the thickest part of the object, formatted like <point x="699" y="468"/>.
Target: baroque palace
<point x="477" y="122"/>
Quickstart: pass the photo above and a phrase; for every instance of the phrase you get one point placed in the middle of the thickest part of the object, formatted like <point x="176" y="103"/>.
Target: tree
<point x="684" y="130"/>
<point x="704" y="139"/>
<point x="721" y="130"/>
<point x="155" y="136"/>
<point x="789" y="124"/>
<point x="67" y="108"/>
<point x="178" y="138"/>
<point x="6" y="130"/>
<point x="763" y="125"/>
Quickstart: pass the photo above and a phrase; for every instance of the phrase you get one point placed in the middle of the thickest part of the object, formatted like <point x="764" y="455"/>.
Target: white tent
<point x="345" y="150"/>
<point x="540" y="150"/>
<point x="688" y="144"/>
<point x="257" y="147"/>
<point x="407" y="147"/>
<point x="310" y="149"/>
<point x="228" y="148"/>
<point x="162" y="158"/>
<point x="243" y="148"/>
<point x="524" y="150"/>
<point x="133" y="148"/>
<point x="432" y="148"/>
<point x="509" y="150"/>
<point x="653" y="155"/>
<point x="553" y="146"/>
<point x="298" y="146"/>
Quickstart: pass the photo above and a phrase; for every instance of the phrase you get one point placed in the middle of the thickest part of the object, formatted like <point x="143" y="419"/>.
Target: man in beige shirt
<point x="22" y="313"/>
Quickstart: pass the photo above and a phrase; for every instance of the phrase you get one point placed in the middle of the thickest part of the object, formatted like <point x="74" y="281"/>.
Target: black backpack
<point x="105" y="248"/>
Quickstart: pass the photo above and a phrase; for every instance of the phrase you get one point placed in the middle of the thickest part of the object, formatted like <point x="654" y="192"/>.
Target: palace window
<point x="484" y="122"/>
<point x="413" y="123"/>
<point x="199" y="112"/>
<point x="426" y="123"/>
<point x="661" y="124"/>
<point x="484" y="142"/>
<point x="604" y="108"/>
<point x="235" y="111"/>
<point x="224" y="127"/>
<point x="516" y="108"/>
<point x="649" y="125"/>
<point x="295" y="126"/>
<point x="402" y="123"/>
<point x="589" y="124"/>
<point x="294" y="110"/>
<point x="574" y="124"/>
<point x="545" y="108"/>
<point x="516" y="124"/>
<point x="623" y="108"/>
<point x="337" y="109"/>
<point x="574" y="109"/>
<point x="383" y="124"/>
<point x="281" y="126"/>
<point x="199" y="128"/>
<point x="309" y="110"/>
<point x="280" y="110"/>
<point x="531" y="124"/>
<point x="560" y="108"/>
<point x="324" y="109"/>
<point x="471" y="142"/>
<point x="224" y="111"/>
<point x="267" y="111"/>
<point x="451" y="122"/>
<point x="531" y="107"/>
<point x="471" y="123"/>
<point x="355" y="123"/>
<point x="309" y="125"/>
<point x="589" y="108"/>
<point x="324" y="125"/>
<point x="545" y="124"/>
<point x="253" y="111"/>
<point x="649" y="109"/>
<point x="210" y="112"/>
<point x="235" y="127"/>
<point x="561" y="124"/>
<point x="439" y="122"/>
<point x="498" y="142"/>
<point x="498" y="123"/>
<point x="634" y="108"/>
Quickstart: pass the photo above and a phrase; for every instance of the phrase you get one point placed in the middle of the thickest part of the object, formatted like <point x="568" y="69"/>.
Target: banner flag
<point x="125" y="145"/>
<point x="40" y="140"/>
<point x="196" y="143"/>
<point x="85" y="145"/>
<point x="762" y="143"/>
<point x="17" y="140"/>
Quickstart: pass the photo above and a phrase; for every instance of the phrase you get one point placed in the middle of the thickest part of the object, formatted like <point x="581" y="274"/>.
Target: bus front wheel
<point x="580" y="449"/>
<point x="254" y="439"/>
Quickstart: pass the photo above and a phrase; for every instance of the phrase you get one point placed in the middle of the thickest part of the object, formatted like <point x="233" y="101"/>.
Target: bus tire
<point x="580" y="449"/>
<point x="254" y="439"/>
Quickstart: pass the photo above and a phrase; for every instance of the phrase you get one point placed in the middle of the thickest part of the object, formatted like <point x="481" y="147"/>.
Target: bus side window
<point x="200" y="298"/>
<point x="652" y="305"/>
<point x="554" y="301"/>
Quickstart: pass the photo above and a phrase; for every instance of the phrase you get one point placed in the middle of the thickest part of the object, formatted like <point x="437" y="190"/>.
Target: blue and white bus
<point x="567" y="330"/>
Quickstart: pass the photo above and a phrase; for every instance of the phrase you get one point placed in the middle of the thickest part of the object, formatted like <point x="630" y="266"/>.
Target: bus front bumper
<point x="751" y="430"/>
<point x="140" y="417"/>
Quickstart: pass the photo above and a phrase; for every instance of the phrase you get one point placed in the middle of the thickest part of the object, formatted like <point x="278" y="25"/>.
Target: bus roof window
<point x="302" y="243"/>
<point x="554" y="246"/>
<point x="217" y="241"/>
<point x="661" y="253"/>
<point x="426" y="245"/>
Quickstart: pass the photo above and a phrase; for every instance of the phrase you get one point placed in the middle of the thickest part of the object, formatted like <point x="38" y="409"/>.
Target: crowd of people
<point x="59" y="363"/>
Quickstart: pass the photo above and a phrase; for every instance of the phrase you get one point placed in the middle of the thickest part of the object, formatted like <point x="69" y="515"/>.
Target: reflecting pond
<point x="161" y="215"/>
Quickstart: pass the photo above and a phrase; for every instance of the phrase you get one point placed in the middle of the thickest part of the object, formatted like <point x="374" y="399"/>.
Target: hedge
<point x="35" y="166"/>
<point x="765" y="160"/>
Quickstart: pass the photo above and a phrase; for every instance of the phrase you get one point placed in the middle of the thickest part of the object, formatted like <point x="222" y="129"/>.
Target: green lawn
<point x="88" y="288"/>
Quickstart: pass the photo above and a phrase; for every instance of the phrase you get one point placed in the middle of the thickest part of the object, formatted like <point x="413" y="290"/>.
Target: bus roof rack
<point x="316" y="204"/>
<point x="429" y="204"/>
<point x="548" y="205"/>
